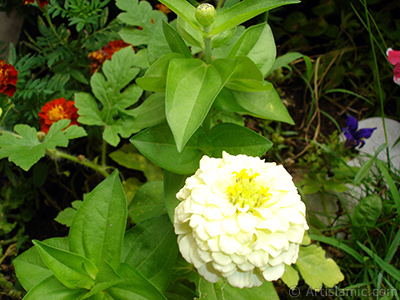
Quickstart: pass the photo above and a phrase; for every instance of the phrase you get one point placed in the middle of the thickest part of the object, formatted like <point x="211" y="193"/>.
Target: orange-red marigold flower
<point x="100" y="56"/>
<point x="161" y="7"/>
<point x="41" y="2"/>
<point x="8" y="78"/>
<point x="56" y="110"/>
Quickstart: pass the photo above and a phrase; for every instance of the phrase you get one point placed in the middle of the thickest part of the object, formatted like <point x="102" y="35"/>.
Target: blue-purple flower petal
<point x="351" y="123"/>
<point x="364" y="133"/>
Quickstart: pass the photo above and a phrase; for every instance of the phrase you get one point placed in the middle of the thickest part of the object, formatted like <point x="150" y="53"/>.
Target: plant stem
<point x="207" y="46"/>
<point x="87" y="163"/>
<point x="220" y="3"/>
<point x="103" y="154"/>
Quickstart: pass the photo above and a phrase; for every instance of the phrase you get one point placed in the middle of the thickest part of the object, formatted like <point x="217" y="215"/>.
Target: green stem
<point x="220" y="3"/>
<point x="87" y="163"/>
<point x="103" y="154"/>
<point x="207" y="46"/>
<point x="5" y="114"/>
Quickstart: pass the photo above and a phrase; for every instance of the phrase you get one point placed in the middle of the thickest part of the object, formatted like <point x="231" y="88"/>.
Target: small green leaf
<point x="148" y="202"/>
<point x="264" y="104"/>
<point x="99" y="225"/>
<point x="290" y="277"/>
<point x="155" y="77"/>
<point x="184" y="10"/>
<point x="150" y="247"/>
<point x="188" y="33"/>
<point x="316" y="269"/>
<point x="174" y="40"/>
<point x="243" y="11"/>
<point x="192" y="86"/>
<point x="236" y="139"/>
<point x="365" y="215"/>
<point x="88" y="110"/>
<point x="71" y="269"/>
<point x="158" y="145"/>
<point x="258" y="44"/>
<point x="66" y="216"/>
<point x="51" y="288"/>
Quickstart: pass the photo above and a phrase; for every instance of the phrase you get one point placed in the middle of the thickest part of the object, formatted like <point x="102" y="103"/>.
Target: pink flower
<point x="394" y="59"/>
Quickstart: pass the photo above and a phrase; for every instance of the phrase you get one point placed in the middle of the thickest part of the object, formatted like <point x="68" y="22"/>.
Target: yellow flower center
<point x="57" y="113"/>
<point x="246" y="190"/>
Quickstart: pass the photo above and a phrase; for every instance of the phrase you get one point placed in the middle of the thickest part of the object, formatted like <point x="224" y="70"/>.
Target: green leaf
<point x="184" y="10"/>
<point x="392" y="187"/>
<point x="51" y="288"/>
<point x="247" y="77"/>
<point x="192" y="87"/>
<point x="290" y="277"/>
<point x="30" y="267"/>
<point x="88" y="110"/>
<point x="135" y="286"/>
<point x="388" y="268"/>
<point x="285" y="60"/>
<point x="258" y="44"/>
<point x="66" y="216"/>
<point x="365" y="215"/>
<point x="265" y="104"/>
<point x="188" y="33"/>
<point x="243" y="11"/>
<point x="15" y="147"/>
<point x="99" y="225"/>
<point x="155" y="77"/>
<point x="128" y="157"/>
<point x="71" y="269"/>
<point x="174" y="40"/>
<point x="148" y="202"/>
<point x="316" y="269"/>
<point x="222" y="290"/>
<point x="138" y="14"/>
<point x="150" y="247"/>
<point x="172" y="184"/>
<point x="158" y="145"/>
<point x="236" y="139"/>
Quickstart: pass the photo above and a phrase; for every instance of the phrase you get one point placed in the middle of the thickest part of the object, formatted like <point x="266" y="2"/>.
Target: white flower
<point x="240" y="218"/>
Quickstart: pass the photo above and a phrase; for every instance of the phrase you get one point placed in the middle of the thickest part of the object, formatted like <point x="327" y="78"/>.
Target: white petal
<point x="212" y="212"/>
<point x="295" y="233"/>
<point x="221" y="258"/>
<point x="246" y="267"/>
<point x="274" y="273"/>
<point x="276" y="240"/>
<point x="209" y="273"/>
<point x="200" y="231"/>
<point x="205" y="255"/>
<point x="228" y="244"/>
<point x="195" y="219"/>
<point x="245" y="279"/>
<point x="182" y="228"/>
<point x="213" y="244"/>
<point x="213" y="228"/>
<point x="277" y="260"/>
<point x="293" y="215"/>
<point x="224" y="268"/>
<point x="292" y="254"/>
<point x="195" y="257"/>
<point x="230" y="225"/>
<point x="247" y="222"/>
<point x="238" y="259"/>
<point x="259" y="258"/>
<point x="264" y="212"/>
<point x="186" y="242"/>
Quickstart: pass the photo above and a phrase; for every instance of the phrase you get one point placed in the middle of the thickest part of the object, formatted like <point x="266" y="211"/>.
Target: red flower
<point x="41" y="2"/>
<point x="100" y="56"/>
<point x="8" y="79"/>
<point x="56" y="110"/>
<point x="161" y="7"/>
<point x="394" y="59"/>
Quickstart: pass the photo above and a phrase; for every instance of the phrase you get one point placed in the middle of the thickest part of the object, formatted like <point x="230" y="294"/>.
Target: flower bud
<point x="205" y="14"/>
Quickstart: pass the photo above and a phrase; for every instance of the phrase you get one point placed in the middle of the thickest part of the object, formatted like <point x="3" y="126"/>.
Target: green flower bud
<point x="205" y="14"/>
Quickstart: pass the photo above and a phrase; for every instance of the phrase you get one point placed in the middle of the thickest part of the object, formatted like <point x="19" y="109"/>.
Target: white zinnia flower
<point x="240" y="218"/>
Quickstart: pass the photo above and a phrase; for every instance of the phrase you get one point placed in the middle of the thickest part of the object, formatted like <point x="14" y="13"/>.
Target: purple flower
<point x="355" y="136"/>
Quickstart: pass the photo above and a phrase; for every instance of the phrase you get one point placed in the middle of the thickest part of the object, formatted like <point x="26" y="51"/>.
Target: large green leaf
<point x="316" y="269"/>
<point x="150" y="247"/>
<point x="158" y="145"/>
<point x="192" y="86"/>
<point x="30" y="267"/>
<point x="265" y="104"/>
<point x="51" y="288"/>
<point x="155" y="78"/>
<point x="71" y="269"/>
<point x="236" y="139"/>
<point x="148" y="202"/>
<point x="138" y="14"/>
<point x="16" y="146"/>
<point x="188" y="33"/>
<point x="243" y="11"/>
<point x="98" y="227"/>
<point x="247" y="77"/>
<point x="174" y="40"/>
<point x="222" y="290"/>
<point x="135" y="286"/>
<point x="184" y="10"/>
<point x="258" y="44"/>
